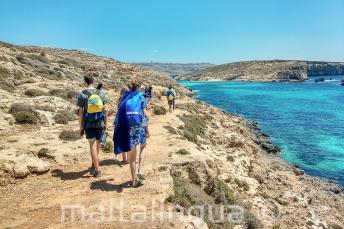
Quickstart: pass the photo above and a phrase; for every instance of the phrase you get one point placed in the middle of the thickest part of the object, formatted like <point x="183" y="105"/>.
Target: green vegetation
<point x="182" y="152"/>
<point x="40" y="57"/>
<point x="171" y="130"/>
<point x="66" y="94"/>
<point x="242" y="184"/>
<point x="34" y="92"/>
<point x="25" y="117"/>
<point x="4" y="72"/>
<point x="60" y="119"/>
<point x="108" y="148"/>
<point x="194" y="126"/>
<point x="24" y="60"/>
<point x="44" y="108"/>
<point x="217" y="193"/>
<point x="159" y="110"/>
<point x="24" y="113"/>
<point x="234" y="142"/>
<point x="69" y="135"/>
<point x="4" y="85"/>
<point x="70" y="115"/>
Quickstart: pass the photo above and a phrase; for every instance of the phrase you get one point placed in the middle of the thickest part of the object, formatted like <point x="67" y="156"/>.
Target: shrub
<point x="41" y="58"/>
<point x="17" y="107"/>
<point x="24" y="113"/>
<point x="171" y="130"/>
<point x="23" y="117"/>
<point x="4" y="72"/>
<point x="44" y="108"/>
<point x="60" y="119"/>
<point x="182" y="152"/>
<point x="242" y="184"/>
<point x="22" y="59"/>
<point x="108" y="148"/>
<point x="251" y="221"/>
<point x="70" y="115"/>
<point x="194" y="126"/>
<point x="159" y="110"/>
<point x="69" y="135"/>
<point x="67" y="94"/>
<point x="34" y="92"/>
<point x="6" y="86"/>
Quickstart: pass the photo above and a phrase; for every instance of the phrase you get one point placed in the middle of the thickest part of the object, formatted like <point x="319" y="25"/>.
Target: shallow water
<point x="305" y="119"/>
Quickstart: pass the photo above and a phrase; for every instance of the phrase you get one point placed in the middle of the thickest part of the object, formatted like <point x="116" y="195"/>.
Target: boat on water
<point x="319" y="80"/>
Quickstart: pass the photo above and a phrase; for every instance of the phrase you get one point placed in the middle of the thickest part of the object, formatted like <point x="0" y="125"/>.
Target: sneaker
<point x="92" y="170"/>
<point x="140" y="176"/>
<point x="97" y="174"/>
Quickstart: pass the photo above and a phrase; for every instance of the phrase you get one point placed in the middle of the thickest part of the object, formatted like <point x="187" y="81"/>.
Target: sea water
<point x="305" y="119"/>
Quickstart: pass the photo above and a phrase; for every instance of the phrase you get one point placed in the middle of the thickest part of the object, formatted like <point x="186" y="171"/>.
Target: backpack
<point x="134" y="112"/>
<point x="170" y="95"/>
<point x="95" y="106"/>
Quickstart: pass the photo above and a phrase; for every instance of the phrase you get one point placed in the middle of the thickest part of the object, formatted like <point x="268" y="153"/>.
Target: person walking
<point x="171" y="97"/>
<point x="130" y="129"/>
<point x="124" y="91"/>
<point x="92" y="119"/>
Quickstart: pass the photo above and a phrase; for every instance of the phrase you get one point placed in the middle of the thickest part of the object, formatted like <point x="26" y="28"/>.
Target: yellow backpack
<point x="170" y="97"/>
<point x="94" y="102"/>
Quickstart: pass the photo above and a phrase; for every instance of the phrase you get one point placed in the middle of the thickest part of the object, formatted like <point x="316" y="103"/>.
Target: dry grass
<point x="35" y="92"/>
<point x="69" y="135"/>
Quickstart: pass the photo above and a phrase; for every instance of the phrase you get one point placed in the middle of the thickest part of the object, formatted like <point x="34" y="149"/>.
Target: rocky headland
<point x="198" y="155"/>
<point x="266" y="71"/>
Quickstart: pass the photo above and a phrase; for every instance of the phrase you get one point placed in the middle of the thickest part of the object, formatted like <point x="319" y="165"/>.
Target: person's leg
<point x="141" y="158"/>
<point x="94" y="155"/>
<point x="132" y="161"/>
<point x="124" y="155"/>
<point x="98" y="148"/>
<point x="173" y="103"/>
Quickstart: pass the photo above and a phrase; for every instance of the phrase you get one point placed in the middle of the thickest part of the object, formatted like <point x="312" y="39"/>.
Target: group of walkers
<point x="131" y="129"/>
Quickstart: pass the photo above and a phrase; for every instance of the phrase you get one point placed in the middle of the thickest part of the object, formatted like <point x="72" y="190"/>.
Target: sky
<point x="180" y="31"/>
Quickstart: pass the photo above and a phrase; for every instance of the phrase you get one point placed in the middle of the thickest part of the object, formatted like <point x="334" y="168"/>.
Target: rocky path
<point x="40" y="201"/>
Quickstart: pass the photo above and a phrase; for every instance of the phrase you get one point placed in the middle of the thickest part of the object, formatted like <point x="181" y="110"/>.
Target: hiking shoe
<point x="97" y="174"/>
<point x="140" y="176"/>
<point x="92" y="170"/>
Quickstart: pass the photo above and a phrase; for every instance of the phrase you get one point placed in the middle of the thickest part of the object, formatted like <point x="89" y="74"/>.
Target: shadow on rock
<point x="104" y="185"/>
<point x="70" y="175"/>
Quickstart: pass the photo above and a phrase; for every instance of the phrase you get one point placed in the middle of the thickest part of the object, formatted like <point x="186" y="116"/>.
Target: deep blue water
<point x="305" y="119"/>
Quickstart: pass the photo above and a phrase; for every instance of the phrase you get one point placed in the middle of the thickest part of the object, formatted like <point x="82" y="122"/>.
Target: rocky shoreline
<point x="266" y="71"/>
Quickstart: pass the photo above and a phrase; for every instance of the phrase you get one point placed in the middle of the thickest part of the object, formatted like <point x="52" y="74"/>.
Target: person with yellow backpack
<point x="171" y="97"/>
<point x="92" y="119"/>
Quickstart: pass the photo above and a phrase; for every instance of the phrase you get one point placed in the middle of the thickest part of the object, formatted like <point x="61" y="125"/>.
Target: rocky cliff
<point x="174" y="68"/>
<point x="266" y="71"/>
<point x="197" y="156"/>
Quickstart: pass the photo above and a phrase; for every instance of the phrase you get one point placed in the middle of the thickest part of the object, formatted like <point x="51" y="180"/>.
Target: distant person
<point x="92" y="119"/>
<point x="148" y="94"/>
<point x="171" y="97"/>
<point x="131" y="130"/>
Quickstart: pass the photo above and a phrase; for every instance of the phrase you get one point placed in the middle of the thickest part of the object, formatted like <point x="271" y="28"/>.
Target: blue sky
<point x="216" y="31"/>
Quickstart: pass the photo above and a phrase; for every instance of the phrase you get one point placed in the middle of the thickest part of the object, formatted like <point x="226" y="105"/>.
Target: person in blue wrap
<point x="131" y="128"/>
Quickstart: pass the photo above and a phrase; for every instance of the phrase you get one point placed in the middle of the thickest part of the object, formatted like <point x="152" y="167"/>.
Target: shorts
<point x="170" y="102"/>
<point x="96" y="133"/>
<point x="137" y="136"/>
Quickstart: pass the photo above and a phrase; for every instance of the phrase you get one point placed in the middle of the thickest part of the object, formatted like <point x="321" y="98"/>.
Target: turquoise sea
<point x="305" y="119"/>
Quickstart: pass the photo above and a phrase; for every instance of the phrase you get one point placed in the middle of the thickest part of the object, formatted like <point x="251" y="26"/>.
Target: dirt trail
<point x="37" y="201"/>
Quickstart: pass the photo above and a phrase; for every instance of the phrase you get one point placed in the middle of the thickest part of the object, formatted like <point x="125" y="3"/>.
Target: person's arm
<point x="81" y="120"/>
<point x="105" y="116"/>
<point x="81" y="114"/>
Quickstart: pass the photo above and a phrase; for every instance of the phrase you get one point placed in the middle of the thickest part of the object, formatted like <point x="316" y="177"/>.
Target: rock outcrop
<point x="266" y="71"/>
